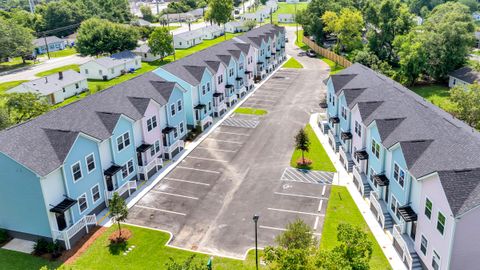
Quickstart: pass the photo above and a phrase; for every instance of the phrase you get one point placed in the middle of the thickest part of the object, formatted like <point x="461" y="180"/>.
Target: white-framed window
<point x="399" y="175"/>
<point x="203" y="90"/>
<point x="152" y="123"/>
<point x="155" y="148"/>
<point x="358" y="129"/>
<point x="231" y="72"/>
<point x="95" y="193"/>
<point x="172" y="110"/>
<point x="123" y="141"/>
<point x="90" y="161"/>
<point x="82" y="203"/>
<point x="127" y="169"/>
<point x="424" y="245"/>
<point x="428" y="208"/>
<point x="394" y="205"/>
<point x="181" y="127"/>
<point x="179" y="105"/>
<point x="175" y="133"/>
<point x="220" y="78"/>
<point x="208" y="87"/>
<point x="209" y="105"/>
<point x="375" y="148"/>
<point x="100" y="72"/>
<point x="86" y="71"/>
<point x="240" y="67"/>
<point x="440" y="222"/>
<point x="372" y="174"/>
<point x="344" y="113"/>
<point x="435" y="260"/>
<point x="76" y="171"/>
<point x="76" y="86"/>
<point x="111" y="70"/>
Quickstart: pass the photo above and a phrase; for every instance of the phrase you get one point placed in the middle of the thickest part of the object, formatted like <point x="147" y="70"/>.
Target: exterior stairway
<point x="416" y="262"/>
<point x="366" y="190"/>
<point x="350" y="165"/>
<point x="388" y="221"/>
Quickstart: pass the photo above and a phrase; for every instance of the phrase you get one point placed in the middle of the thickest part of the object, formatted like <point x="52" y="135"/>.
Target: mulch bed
<point x="70" y="256"/>
<point x="115" y="236"/>
<point x="306" y="162"/>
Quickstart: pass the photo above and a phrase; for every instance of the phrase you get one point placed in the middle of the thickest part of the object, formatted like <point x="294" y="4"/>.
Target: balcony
<point x="379" y="210"/>
<point x="346" y="159"/>
<point x="219" y="108"/>
<point x="171" y="148"/>
<point x="67" y="234"/>
<point x="231" y="100"/>
<point x="405" y="247"/>
<point x="158" y="161"/>
<point x="333" y="140"/>
<point x="361" y="182"/>
<point x="206" y="122"/>
<point x="126" y="187"/>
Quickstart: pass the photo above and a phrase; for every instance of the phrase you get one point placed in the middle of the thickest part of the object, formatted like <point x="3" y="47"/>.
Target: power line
<point x="68" y="27"/>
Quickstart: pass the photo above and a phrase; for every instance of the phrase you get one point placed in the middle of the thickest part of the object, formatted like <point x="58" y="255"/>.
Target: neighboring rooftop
<point x="115" y="59"/>
<point x="52" y="83"/>
<point x="50" y="40"/>
<point x="466" y="74"/>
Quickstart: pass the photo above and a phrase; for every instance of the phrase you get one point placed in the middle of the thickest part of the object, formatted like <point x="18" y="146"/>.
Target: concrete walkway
<point x="20" y="245"/>
<point x="343" y="178"/>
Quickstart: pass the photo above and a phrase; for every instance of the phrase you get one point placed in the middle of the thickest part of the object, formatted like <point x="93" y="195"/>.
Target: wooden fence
<point x="327" y="53"/>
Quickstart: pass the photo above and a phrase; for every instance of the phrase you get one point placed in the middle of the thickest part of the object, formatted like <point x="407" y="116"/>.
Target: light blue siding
<point x="128" y="153"/>
<point x="332" y="109"/>
<point x="22" y="207"/>
<point x="231" y="79"/>
<point x="78" y="153"/>
<point x="180" y="116"/>
<point x="344" y="123"/>
<point x="377" y="164"/>
<point x="206" y="99"/>
<point x="396" y="189"/>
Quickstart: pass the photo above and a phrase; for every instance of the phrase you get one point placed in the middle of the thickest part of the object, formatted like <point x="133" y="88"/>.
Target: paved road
<point x="29" y="73"/>
<point x="242" y="169"/>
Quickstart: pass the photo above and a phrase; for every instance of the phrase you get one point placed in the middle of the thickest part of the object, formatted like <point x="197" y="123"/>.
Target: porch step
<point x="388" y="221"/>
<point x="366" y="190"/>
<point x="416" y="262"/>
<point x="350" y="165"/>
<point x="337" y="146"/>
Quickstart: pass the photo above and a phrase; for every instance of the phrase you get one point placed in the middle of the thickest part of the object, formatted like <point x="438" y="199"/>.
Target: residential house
<point x="197" y="13"/>
<point x="463" y="76"/>
<point x="55" y="88"/>
<point x="177" y="17"/>
<point x="212" y="31"/>
<point x="286" y="18"/>
<point x="146" y="55"/>
<point x="476" y="16"/>
<point x="141" y="22"/>
<point x="235" y="27"/>
<point x="272" y="5"/>
<point x="52" y="42"/>
<point x="257" y="16"/>
<point x="107" y="68"/>
<point x="70" y="161"/>
<point x="415" y="163"/>
<point x="187" y="39"/>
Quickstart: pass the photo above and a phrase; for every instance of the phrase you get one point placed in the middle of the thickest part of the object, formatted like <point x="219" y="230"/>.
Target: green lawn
<point x="7" y="85"/>
<point x="317" y="154"/>
<point x="56" y="70"/>
<point x="246" y="110"/>
<point x="299" y="42"/>
<point x="150" y="252"/>
<point x="65" y="52"/>
<point x="334" y="67"/>
<point x="292" y="63"/>
<point x="286" y="8"/>
<point x="13" y="260"/>
<point x="342" y="209"/>
<point x="437" y="94"/>
<point x="14" y="64"/>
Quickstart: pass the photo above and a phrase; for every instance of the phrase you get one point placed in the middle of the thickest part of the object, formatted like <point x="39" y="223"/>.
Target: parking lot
<point x="242" y="168"/>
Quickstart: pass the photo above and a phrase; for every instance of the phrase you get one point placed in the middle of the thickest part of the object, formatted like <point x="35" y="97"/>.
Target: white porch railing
<point x="397" y="235"/>
<point x="126" y="187"/>
<point x="331" y="136"/>
<point x="206" y="120"/>
<point x="357" y="175"/>
<point x="220" y="107"/>
<point x="374" y="201"/>
<point x="158" y="161"/>
<point x="231" y="98"/>
<point x="344" y="154"/>
<point x="70" y="232"/>
<point x="171" y="148"/>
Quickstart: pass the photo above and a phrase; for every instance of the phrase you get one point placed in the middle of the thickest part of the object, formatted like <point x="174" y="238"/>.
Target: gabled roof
<point x="387" y="126"/>
<point x="367" y="108"/>
<point x="51" y="83"/>
<point x="462" y="189"/>
<point x="115" y="59"/>
<point x="466" y="74"/>
<point x="50" y="40"/>
<point x="340" y="80"/>
<point x="144" y="48"/>
<point x="412" y="150"/>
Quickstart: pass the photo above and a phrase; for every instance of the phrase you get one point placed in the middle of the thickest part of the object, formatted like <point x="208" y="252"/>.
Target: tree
<point x="24" y="106"/>
<point x="188" y="264"/>
<point x="161" y="42"/>
<point x="58" y="14"/>
<point x="471" y="4"/>
<point x="97" y="36"/>
<point x="369" y="59"/>
<point x="147" y="13"/>
<point x="347" y="26"/>
<point x="250" y="24"/>
<point x="15" y="40"/>
<point x="467" y="101"/>
<point x="118" y="211"/>
<point x="302" y="143"/>
<point x="298" y="235"/>
<point x="220" y="11"/>
<point x="4" y="118"/>
<point x="353" y="252"/>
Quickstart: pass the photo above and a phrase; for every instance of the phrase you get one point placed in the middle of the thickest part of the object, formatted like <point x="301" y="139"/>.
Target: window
<point x="375" y="148"/>
<point x="95" y="193"/>
<point x="111" y="70"/>
<point x="398" y="174"/>
<point x="100" y="72"/>
<point x="358" y="129"/>
<point x="231" y="72"/>
<point x="82" y="203"/>
<point x="127" y="169"/>
<point x="152" y="123"/>
<point x="441" y="222"/>
<point x="220" y="78"/>
<point x="208" y="87"/>
<point x="179" y="105"/>
<point x="90" y="161"/>
<point x="209" y="105"/>
<point x="240" y="67"/>
<point x="435" y="261"/>
<point x="333" y="101"/>
<point x="394" y="206"/>
<point x="372" y="174"/>
<point x="172" y="109"/>
<point x="86" y="71"/>
<point x="155" y="148"/>
<point x="123" y="141"/>
<point x="175" y="133"/>
<point x="182" y="128"/>
<point x="344" y="113"/>
<point x="63" y="89"/>
<point x="76" y="171"/>
<point x="424" y="245"/>
<point x="428" y="208"/>
<point x="203" y="89"/>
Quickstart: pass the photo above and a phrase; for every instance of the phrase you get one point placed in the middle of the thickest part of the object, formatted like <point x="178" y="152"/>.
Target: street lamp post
<point x="255" y="219"/>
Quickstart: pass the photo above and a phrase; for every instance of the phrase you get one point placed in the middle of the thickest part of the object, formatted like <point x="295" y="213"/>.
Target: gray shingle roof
<point x="144" y="48"/>
<point x="50" y="40"/>
<point x="466" y="74"/>
<point x="41" y="144"/>
<point x="432" y="140"/>
<point x="461" y="188"/>
<point x="52" y="83"/>
<point x="115" y="59"/>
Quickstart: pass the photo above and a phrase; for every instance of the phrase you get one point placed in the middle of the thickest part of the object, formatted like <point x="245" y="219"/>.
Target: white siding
<point x="105" y="154"/>
<point x="53" y="189"/>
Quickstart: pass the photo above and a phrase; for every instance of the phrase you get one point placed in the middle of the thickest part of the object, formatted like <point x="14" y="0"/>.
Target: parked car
<point x="311" y="53"/>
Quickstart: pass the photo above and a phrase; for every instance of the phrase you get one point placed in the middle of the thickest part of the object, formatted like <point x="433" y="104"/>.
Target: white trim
<point x="94" y="162"/>
<point x="73" y="175"/>
<point x="123" y="141"/>
<point x="126" y="166"/>
<point x="399" y="170"/>
<point x="99" y="193"/>
<point x="86" y="202"/>
<point x="181" y="101"/>
<point x="174" y="108"/>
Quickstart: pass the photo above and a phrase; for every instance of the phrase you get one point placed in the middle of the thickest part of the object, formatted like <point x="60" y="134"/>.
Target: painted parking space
<point x="307" y="176"/>
<point x="243" y="123"/>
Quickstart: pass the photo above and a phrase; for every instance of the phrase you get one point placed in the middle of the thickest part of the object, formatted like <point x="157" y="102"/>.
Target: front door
<point x="413" y="230"/>
<point x="61" y="223"/>
<point x="109" y="181"/>
<point x="385" y="197"/>
<point x="197" y="115"/>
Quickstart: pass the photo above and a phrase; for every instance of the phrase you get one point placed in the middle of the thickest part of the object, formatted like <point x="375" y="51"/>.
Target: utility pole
<point x="31" y="3"/>
<point x="158" y="7"/>
<point x="46" y="45"/>
<point x="296" y="22"/>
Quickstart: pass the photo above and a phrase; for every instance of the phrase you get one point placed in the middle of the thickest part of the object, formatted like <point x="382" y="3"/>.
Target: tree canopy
<point x="15" y="40"/>
<point x="147" y="13"/>
<point x="220" y="11"/>
<point x="161" y="42"/>
<point x="24" y="106"/>
<point x="346" y="26"/>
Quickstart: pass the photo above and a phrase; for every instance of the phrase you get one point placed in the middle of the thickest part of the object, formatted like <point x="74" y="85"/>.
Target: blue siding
<point x="122" y="157"/>
<point x="377" y="164"/>
<point x="206" y="99"/>
<point x="179" y="116"/>
<point x="231" y="79"/>
<point x="22" y="207"/>
<point x="332" y="109"/>
<point x="78" y="153"/>
<point x="344" y="123"/>
<point x="396" y="189"/>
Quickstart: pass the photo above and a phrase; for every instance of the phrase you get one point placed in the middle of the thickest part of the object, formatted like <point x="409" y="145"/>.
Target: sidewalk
<point x="343" y="178"/>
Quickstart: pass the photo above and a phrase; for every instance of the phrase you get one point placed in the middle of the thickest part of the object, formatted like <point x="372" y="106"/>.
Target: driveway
<point x="241" y="169"/>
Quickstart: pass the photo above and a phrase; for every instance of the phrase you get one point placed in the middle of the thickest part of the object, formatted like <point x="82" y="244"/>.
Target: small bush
<point x="55" y="249"/>
<point x="41" y="246"/>
<point x="3" y="236"/>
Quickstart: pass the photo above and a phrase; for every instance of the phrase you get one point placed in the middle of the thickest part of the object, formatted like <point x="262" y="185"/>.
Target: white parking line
<point x="320" y="206"/>
<point x="280" y="229"/>
<point x="217" y="149"/>
<point x="315" y="225"/>
<point x="208" y="159"/>
<point x="261" y="99"/>
<point x="294" y="212"/>
<point x="195" y="169"/>
<point x="298" y="195"/>
<point x="323" y="191"/>
<point x="174" y="195"/>
<point x="186" y="181"/>
<point x="232" y="133"/>
<point x="223" y="141"/>
<point x="160" y="210"/>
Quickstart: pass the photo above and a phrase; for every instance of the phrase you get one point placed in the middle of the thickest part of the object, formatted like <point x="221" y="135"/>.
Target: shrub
<point x="55" y="249"/>
<point x="41" y="246"/>
<point x="3" y="236"/>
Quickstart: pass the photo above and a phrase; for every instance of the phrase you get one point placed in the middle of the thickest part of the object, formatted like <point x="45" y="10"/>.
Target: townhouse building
<point x="416" y="163"/>
<point x="59" y="170"/>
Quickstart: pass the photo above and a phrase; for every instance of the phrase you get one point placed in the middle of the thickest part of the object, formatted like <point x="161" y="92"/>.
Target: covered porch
<point x="219" y="106"/>
<point x="171" y="146"/>
<point x="148" y="165"/>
